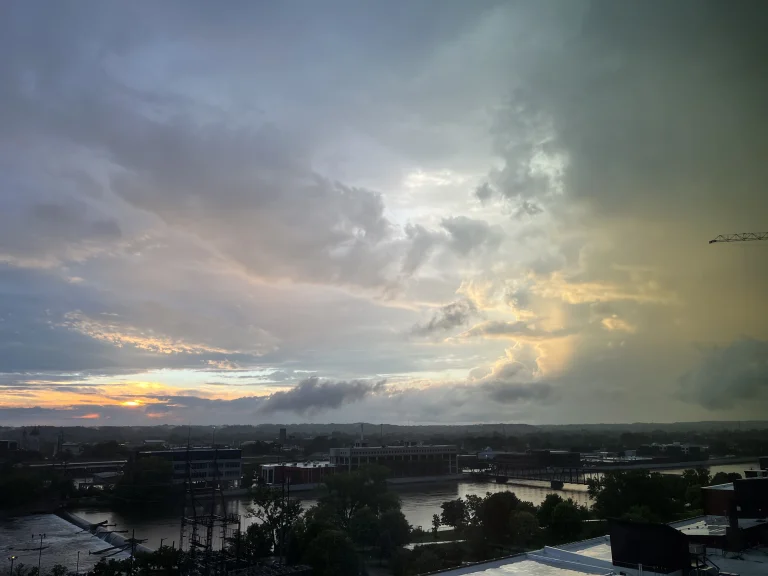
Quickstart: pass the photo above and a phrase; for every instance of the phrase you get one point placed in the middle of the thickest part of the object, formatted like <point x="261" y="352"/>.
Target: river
<point x="419" y="503"/>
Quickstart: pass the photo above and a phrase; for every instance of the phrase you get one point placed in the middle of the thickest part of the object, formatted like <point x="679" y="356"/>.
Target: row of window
<point x="202" y="465"/>
<point x="231" y="474"/>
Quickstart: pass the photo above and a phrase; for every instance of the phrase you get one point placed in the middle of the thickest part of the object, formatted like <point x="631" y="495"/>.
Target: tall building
<point x="283" y="436"/>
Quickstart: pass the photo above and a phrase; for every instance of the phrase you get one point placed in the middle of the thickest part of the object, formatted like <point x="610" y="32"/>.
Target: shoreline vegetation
<point x="357" y="525"/>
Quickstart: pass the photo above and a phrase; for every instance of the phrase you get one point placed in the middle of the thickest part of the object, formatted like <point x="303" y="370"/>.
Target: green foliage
<point x="618" y="492"/>
<point x="349" y="492"/>
<point x="20" y="487"/>
<point x="436" y="522"/>
<point x="640" y="514"/>
<point x="364" y="527"/>
<point x="394" y="524"/>
<point x="332" y="553"/>
<point x="58" y="570"/>
<point x="110" y="567"/>
<point x="723" y="478"/>
<point x="566" y="523"/>
<point x="148" y="484"/>
<point x="523" y="528"/>
<point x="547" y="507"/>
<point x="275" y="515"/>
<point x="454" y="513"/>
<point x="495" y="513"/>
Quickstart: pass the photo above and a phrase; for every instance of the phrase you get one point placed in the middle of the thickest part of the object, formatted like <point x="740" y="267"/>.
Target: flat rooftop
<point x="299" y="465"/>
<point x="594" y="557"/>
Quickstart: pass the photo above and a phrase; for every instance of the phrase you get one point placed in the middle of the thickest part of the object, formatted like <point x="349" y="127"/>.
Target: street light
<point x="11" y="558"/>
<point x="40" y="554"/>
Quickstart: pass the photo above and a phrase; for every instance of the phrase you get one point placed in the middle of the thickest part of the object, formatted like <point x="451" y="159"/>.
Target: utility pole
<point x="77" y="568"/>
<point x="40" y="553"/>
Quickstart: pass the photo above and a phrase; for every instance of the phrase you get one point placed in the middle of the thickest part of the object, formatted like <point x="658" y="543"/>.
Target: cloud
<point x="313" y="394"/>
<point x="729" y="376"/>
<point x="468" y="235"/>
<point x="484" y="192"/>
<point x="518" y="328"/>
<point x="511" y="393"/>
<point x="446" y="318"/>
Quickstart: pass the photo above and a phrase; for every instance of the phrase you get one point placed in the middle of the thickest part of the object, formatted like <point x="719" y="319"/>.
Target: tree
<point x="523" y="528"/>
<point x="566" y="521"/>
<point x="640" y="514"/>
<point x="350" y="491"/>
<point x="495" y="513"/>
<point x="435" y="524"/>
<point x="724" y="478"/>
<point x="364" y="527"/>
<point x="393" y="522"/>
<point x="59" y="570"/>
<point x="332" y="553"/>
<point x="275" y="515"/>
<point x="617" y="492"/>
<point x="147" y="482"/>
<point x="547" y="507"/>
<point x="697" y="477"/>
<point x="454" y="513"/>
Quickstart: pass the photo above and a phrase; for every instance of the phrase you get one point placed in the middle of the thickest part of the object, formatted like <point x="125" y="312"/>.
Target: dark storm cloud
<point x="729" y="376"/>
<point x="495" y="328"/>
<point x="447" y="318"/>
<point x="512" y="393"/>
<point x="314" y="394"/>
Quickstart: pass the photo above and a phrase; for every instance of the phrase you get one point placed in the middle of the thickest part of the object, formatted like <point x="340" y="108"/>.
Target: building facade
<point x="296" y="473"/>
<point x="202" y="464"/>
<point x="402" y="461"/>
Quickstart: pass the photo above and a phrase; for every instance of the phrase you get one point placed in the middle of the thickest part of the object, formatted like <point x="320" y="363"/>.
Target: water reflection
<point x="419" y="503"/>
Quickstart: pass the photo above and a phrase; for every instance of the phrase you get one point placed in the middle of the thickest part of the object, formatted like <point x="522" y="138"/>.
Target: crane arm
<point x="743" y="237"/>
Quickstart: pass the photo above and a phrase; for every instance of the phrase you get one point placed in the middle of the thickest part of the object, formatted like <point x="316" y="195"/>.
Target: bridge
<point x="107" y="466"/>
<point x="503" y="471"/>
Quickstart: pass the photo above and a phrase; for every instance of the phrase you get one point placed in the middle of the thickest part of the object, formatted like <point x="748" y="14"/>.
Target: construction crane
<point x="743" y="237"/>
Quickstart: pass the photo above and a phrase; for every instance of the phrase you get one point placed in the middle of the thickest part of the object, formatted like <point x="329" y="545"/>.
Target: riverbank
<point x="106" y="535"/>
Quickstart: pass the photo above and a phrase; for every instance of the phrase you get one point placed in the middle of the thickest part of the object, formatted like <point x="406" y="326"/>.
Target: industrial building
<point x="202" y="464"/>
<point x="714" y="545"/>
<point x="298" y="474"/>
<point x="403" y="461"/>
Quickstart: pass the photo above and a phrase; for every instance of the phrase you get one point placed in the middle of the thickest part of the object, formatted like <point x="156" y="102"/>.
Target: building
<point x="283" y="436"/>
<point x="8" y="446"/>
<point x="202" y="464"/>
<point x="155" y="443"/>
<point x="71" y="448"/>
<point x="299" y="474"/>
<point x="736" y="544"/>
<point x="402" y="461"/>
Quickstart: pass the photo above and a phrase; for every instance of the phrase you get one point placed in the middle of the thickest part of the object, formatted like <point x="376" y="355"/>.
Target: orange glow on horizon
<point x="92" y="416"/>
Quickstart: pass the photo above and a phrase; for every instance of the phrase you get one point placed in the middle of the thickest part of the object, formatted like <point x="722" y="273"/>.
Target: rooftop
<point x="595" y="557"/>
<point x="299" y="465"/>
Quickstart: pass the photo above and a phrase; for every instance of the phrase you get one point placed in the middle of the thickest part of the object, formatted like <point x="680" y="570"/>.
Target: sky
<point x="421" y="211"/>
